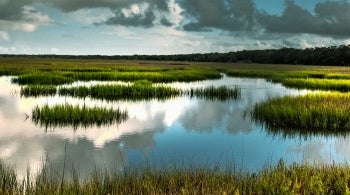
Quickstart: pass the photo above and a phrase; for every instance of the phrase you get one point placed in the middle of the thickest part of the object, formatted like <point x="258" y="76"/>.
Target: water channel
<point x="181" y="131"/>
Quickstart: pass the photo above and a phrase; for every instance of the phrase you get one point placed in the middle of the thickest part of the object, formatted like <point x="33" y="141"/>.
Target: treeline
<point x="334" y="55"/>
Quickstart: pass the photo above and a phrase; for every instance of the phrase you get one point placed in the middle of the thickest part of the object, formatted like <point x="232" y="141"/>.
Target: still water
<point x="181" y="131"/>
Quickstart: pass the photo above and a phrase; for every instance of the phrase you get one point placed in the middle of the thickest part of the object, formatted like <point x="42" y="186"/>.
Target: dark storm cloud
<point x="330" y="18"/>
<point x="12" y="9"/>
<point x="145" y="20"/>
<point x="231" y="15"/>
<point x="165" y="22"/>
<point x="69" y="5"/>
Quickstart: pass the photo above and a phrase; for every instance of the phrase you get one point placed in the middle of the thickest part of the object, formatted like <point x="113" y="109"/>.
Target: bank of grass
<point x="76" y="116"/>
<point x="316" y="80"/>
<point x="323" y="112"/>
<point x="279" y="179"/>
<point x="313" y="83"/>
<point x="59" y="77"/>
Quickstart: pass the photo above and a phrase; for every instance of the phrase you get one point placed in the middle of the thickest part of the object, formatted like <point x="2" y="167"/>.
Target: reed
<point x="221" y="93"/>
<point x="278" y="179"/>
<point x="75" y="116"/>
<point x="38" y="90"/>
<point x="121" y="92"/>
<point x="57" y="77"/>
<point x="324" y="112"/>
<point x="42" y="79"/>
<point x="145" y="90"/>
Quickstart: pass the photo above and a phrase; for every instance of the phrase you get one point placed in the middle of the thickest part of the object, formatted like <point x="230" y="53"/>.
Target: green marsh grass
<point x="38" y="90"/>
<point x="75" y="116"/>
<point x="154" y="76"/>
<point x="42" y="79"/>
<point x="121" y="92"/>
<point x="222" y="93"/>
<point x="278" y="179"/>
<point x="34" y="71"/>
<point x="300" y="79"/>
<point x="146" y="90"/>
<point x="325" y="113"/>
<point x="324" y="84"/>
<point x="58" y="77"/>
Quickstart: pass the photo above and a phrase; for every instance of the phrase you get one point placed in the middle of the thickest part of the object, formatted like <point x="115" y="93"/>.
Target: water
<point x="179" y="131"/>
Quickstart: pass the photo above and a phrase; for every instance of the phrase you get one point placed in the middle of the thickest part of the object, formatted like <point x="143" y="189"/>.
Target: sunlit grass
<point x="310" y="113"/>
<point x="76" y="116"/>
<point x="300" y="79"/>
<point x="36" y="71"/>
<point x="324" y="84"/>
<point x="58" y="77"/>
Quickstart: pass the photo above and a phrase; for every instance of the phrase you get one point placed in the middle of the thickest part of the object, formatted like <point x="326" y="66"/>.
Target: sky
<point x="128" y="27"/>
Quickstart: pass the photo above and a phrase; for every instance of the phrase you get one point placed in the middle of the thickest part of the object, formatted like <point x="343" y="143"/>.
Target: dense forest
<point x="334" y="55"/>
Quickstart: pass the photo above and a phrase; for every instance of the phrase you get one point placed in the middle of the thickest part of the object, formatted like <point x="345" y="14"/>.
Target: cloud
<point x="165" y="22"/>
<point x="4" y="49"/>
<point x="331" y="18"/>
<point x="18" y="26"/>
<point x="4" y="36"/>
<point x="136" y="15"/>
<point x="147" y="14"/>
<point x="21" y="15"/>
<point x="231" y="15"/>
<point x="30" y="14"/>
<point x="12" y="9"/>
<point x="125" y="12"/>
<point x="92" y="16"/>
<point x="70" y="6"/>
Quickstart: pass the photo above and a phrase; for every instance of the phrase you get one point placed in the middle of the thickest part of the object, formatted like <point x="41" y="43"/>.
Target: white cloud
<point x="54" y="50"/>
<point x="92" y="16"/>
<point x="135" y="9"/>
<point x="4" y="36"/>
<point x="3" y="49"/>
<point x="175" y="13"/>
<point x="30" y="20"/>
<point x="30" y="14"/>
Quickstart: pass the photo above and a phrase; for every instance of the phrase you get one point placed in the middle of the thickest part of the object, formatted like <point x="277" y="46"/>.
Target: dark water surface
<point x="180" y="131"/>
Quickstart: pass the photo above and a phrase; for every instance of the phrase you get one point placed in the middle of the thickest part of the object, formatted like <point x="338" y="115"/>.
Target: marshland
<point x="118" y="126"/>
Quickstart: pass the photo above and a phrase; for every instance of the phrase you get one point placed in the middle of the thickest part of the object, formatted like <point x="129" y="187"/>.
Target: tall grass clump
<point x="42" y="79"/>
<point x="121" y="92"/>
<point x="38" y="90"/>
<point x="76" y="116"/>
<point x="221" y="93"/>
<point x="145" y="90"/>
<point x="324" y="112"/>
